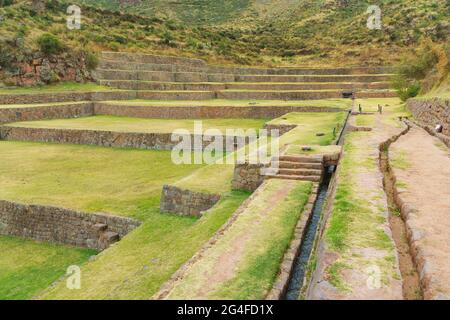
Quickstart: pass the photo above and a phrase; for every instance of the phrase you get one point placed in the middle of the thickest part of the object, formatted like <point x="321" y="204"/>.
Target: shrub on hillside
<point x="419" y="72"/>
<point x="50" y="44"/>
<point x="91" y="60"/>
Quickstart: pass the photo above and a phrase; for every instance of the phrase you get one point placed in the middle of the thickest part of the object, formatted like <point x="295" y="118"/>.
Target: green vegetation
<point x="120" y="181"/>
<point x="59" y="87"/>
<point x="365" y="120"/>
<point x="49" y="44"/>
<point x="234" y="31"/>
<point x="309" y="125"/>
<point x="332" y="103"/>
<point x="126" y="124"/>
<point x="357" y="222"/>
<point x="253" y="247"/>
<point x="423" y="70"/>
<point x="138" y="265"/>
<point x="27" y="267"/>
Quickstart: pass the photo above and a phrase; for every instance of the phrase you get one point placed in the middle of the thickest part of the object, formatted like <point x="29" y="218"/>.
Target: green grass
<point x="332" y="103"/>
<point x="399" y="160"/>
<point x="357" y="221"/>
<point x="94" y="179"/>
<point x="365" y="120"/>
<point x="308" y="125"/>
<point x="262" y="234"/>
<point x="60" y="87"/>
<point x="137" y="266"/>
<point x="27" y="267"/>
<point x="126" y="124"/>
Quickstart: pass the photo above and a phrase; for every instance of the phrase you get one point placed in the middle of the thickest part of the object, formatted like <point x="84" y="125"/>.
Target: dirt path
<point x="421" y="164"/>
<point x="366" y="265"/>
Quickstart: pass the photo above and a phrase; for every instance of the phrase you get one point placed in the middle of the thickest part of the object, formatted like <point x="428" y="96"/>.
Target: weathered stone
<point x="186" y="202"/>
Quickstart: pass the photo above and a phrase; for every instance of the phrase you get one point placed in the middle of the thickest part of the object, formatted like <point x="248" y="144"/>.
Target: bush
<point x="419" y="72"/>
<point x="91" y="60"/>
<point x="50" y="44"/>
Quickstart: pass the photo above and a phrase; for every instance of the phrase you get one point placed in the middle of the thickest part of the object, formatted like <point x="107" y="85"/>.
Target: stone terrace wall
<point x="154" y="141"/>
<point x="50" y="97"/>
<point x="247" y="176"/>
<point x="45" y="223"/>
<point x="72" y="110"/>
<point x="186" y="202"/>
<point x="203" y="112"/>
<point x="152" y="59"/>
<point x="431" y="112"/>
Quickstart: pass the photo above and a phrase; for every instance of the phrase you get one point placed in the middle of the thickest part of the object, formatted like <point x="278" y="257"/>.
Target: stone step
<point x="299" y="172"/>
<point x="302" y="178"/>
<point x="299" y="165"/>
<point x="301" y="159"/>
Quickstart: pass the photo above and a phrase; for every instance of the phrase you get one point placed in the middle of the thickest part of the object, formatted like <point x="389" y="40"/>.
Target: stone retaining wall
<point x="248" y="176"/>
<point x="203" y="112"/>
<point x="151" y="59"/>
<point x="52" y="224"/>
<point x="431" y="112"/>
<point x="63" y="111"/>
<point x="50" y="97"/>
<point x="186" y="202"/>
<point x="153" y="141"/>
<point x="298" y="71"/>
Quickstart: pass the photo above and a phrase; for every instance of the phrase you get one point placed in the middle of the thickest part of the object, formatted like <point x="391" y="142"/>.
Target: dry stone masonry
<point x="186" y="202"/>
<point x="52" y="224"/>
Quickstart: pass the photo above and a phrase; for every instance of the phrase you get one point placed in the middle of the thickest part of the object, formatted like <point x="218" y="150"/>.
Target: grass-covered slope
<point x="244" y="261"/>
<point x="255" y="32"/>
<point x="303" y="30"/>
<point x="27" y="267"/>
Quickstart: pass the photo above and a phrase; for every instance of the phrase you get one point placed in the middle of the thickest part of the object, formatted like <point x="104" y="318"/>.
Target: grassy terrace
<point x="244" y="262"/>
<point x="356" y="228"/>
<point x="60" y="87"/>
<point x="125" y="182"/>
<point x="26" y="267"/>
<point x="120" y="181"/>
<point x="128" y="182"/>
<point x="309" y="125"/>
<point x="126" y="124"/>
<point x="334" y="103"/>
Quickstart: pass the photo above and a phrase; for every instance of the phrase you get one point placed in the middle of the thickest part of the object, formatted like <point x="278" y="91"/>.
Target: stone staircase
<point x="175" y="78"/>
<point x="306" y="168"/>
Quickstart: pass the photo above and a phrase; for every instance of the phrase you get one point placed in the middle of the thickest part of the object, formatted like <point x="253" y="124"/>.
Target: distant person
<point x="380" y="109"/>
<point x="360" y="108"/>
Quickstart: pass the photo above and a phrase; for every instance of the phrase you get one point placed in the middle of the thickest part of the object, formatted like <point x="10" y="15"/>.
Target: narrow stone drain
<point x="301" y="262"/>
<point x="410" y="276"/>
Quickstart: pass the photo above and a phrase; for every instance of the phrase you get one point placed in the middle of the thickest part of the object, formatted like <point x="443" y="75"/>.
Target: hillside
<point x="302" y="31"/>
<point x="253" y="32"/>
